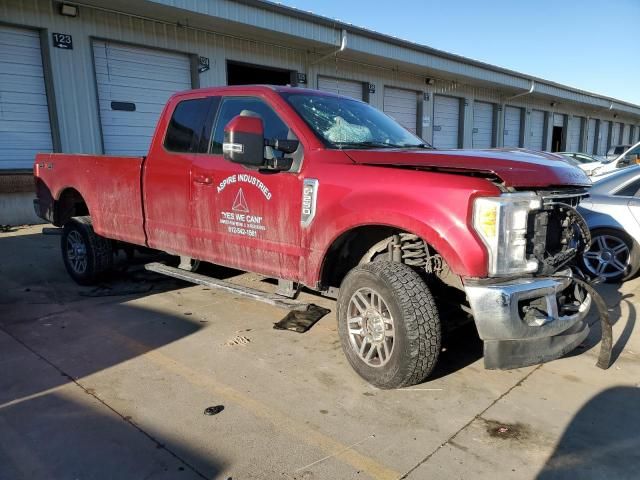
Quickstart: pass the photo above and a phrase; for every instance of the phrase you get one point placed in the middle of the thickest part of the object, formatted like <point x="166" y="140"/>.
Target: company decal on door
<point x="238" y="218"/>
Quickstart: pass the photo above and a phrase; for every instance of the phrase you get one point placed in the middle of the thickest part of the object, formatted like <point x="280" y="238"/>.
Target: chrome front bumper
<point x="512" y="339"/>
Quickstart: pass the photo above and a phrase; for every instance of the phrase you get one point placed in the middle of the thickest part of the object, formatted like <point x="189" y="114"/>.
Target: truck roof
<point x="226" y="89"/>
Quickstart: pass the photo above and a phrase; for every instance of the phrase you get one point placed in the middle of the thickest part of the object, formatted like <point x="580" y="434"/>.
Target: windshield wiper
<point x="369" y="144"/>
<point x="419" y="145"/>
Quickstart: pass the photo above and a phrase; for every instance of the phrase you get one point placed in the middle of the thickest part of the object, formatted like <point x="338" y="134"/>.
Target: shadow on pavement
<point x="461" y="348"/>
<point x="614" y="298"/>
<point x="51" y="336"/>
<point x="602" y="440"/>
<point x="55" y="437"/>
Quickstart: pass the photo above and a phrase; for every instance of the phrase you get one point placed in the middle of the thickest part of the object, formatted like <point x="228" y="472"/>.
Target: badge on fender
<point x="309" y="200"/>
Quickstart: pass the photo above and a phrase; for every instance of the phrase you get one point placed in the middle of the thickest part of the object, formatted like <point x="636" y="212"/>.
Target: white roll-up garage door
<point x="603" y="137"/>
<point x="536" y="137"/>
<point x="24" y="111"/>
<point x="626" y="135"/>
<point x="591" y="135"/>
<point x="573" y="135"/>
<point x="348" y="88"/>
<point x="134" y="83"/>
<point x="446" y="122"/>
<point x="615" y="134"/>
<point x="402" y="105"/>
<point x="511" y="137"/>
<point x="482" y="125"/>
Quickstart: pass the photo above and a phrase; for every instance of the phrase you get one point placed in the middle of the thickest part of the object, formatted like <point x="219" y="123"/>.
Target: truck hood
<point x="515" y="167"/>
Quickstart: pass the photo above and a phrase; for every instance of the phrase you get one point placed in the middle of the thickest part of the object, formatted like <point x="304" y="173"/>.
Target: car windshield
<point x="569" y="159"/>
<point x="345" y="123"/>
<point x="575" y="158"/>
<point x="586" y="158"/>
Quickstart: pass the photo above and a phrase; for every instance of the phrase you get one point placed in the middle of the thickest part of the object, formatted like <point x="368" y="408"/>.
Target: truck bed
<point x="110" y="185"/>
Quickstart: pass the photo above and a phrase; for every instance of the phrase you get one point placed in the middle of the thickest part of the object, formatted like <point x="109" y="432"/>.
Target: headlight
<point x="501" y="222"/>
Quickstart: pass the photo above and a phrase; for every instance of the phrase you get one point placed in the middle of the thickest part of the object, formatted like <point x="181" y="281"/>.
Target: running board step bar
<point x="270" y="298"/>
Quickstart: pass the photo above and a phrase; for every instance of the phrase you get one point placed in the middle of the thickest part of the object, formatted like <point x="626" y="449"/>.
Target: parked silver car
<point x="612" y="212"/>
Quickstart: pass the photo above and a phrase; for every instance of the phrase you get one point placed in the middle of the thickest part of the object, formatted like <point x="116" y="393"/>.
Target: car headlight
<point x="502" y="222"/>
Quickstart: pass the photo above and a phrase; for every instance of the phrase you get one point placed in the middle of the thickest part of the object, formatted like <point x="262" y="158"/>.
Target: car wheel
<point x="612" y="256"/>
<point x="87" y="256"/>
<point x="388" y="324"/>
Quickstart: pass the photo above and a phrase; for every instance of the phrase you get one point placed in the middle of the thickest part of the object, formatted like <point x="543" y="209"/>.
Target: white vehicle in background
<point x="615" y="151"/>
<point x="588" y="163"/>
<point x="629" y="157"/>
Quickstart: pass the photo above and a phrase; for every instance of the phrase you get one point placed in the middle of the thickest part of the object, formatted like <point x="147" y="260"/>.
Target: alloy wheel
<point x="608" y="256"/>
<point x="77" y="252"/>
<point x="371" y="327"/>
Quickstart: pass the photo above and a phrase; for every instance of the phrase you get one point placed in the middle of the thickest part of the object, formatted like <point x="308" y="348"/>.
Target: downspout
<point x="528" y="92"/>
<point x="343" y="45"/>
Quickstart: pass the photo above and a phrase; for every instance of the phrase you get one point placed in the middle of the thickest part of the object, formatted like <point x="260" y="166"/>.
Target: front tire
<point x="87" y="256"/>
<point x="388" y="324"/>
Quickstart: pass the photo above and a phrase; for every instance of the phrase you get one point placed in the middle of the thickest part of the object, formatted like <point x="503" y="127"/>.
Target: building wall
<point x="73" y="83"/>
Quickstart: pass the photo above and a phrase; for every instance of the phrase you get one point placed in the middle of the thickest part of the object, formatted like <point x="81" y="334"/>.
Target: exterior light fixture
<point x="68" y="10"/>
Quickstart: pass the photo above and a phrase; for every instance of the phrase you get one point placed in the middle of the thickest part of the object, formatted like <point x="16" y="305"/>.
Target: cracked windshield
<point x="343" y="123"/>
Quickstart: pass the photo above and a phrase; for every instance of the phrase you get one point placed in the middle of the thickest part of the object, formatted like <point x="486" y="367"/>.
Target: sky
<point x="588" y="44"/>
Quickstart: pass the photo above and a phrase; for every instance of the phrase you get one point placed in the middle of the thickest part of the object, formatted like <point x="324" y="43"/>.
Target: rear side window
<point x="186" y="132"/>
<point x="630" y="189"/>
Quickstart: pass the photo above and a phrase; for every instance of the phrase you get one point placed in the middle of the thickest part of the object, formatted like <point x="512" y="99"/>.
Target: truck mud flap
<point x="508" y="354"/>
<point x="301" y="321"/>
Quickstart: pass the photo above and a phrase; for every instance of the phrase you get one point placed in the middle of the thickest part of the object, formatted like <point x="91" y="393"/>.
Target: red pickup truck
<point x="332" y="194"/>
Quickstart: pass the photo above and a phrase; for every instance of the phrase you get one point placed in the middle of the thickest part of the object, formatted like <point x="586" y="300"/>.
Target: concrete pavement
<point x="99" y="385"/>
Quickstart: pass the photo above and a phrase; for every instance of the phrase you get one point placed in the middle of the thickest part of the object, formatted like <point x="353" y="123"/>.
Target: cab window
<point x="186" y="132"/>
<point x="274" y="127"/>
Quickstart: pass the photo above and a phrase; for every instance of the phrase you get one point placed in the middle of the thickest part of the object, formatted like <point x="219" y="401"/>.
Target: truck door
<point x="242" y="217"/>
<point x="166" y="180"/>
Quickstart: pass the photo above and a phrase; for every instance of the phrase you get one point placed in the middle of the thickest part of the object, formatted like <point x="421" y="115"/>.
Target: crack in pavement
<point x="464" y="427"/>
<point x="93" y="394"/>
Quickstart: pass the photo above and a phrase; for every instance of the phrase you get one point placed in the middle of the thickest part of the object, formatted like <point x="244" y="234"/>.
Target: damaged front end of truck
<point x="533" y="306"/>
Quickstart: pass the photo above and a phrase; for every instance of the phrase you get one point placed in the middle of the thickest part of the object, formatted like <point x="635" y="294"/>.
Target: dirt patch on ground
<point x="507" y="431"/>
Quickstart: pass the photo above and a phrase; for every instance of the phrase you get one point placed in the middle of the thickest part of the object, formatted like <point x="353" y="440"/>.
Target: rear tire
<point x="87" y="256"/>
<point x="388" y="324"/>
<point x="613" y="255"/>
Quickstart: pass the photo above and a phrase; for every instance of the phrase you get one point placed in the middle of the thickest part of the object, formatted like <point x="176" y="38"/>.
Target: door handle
<point x="202" y="179"/>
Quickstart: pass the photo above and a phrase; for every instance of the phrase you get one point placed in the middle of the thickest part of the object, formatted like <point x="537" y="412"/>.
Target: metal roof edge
<point x="315" y="18"/>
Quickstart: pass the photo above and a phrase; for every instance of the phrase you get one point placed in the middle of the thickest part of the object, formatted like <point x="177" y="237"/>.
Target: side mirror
<point x="284" y="146"/>
<point x="244" y="141"/>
